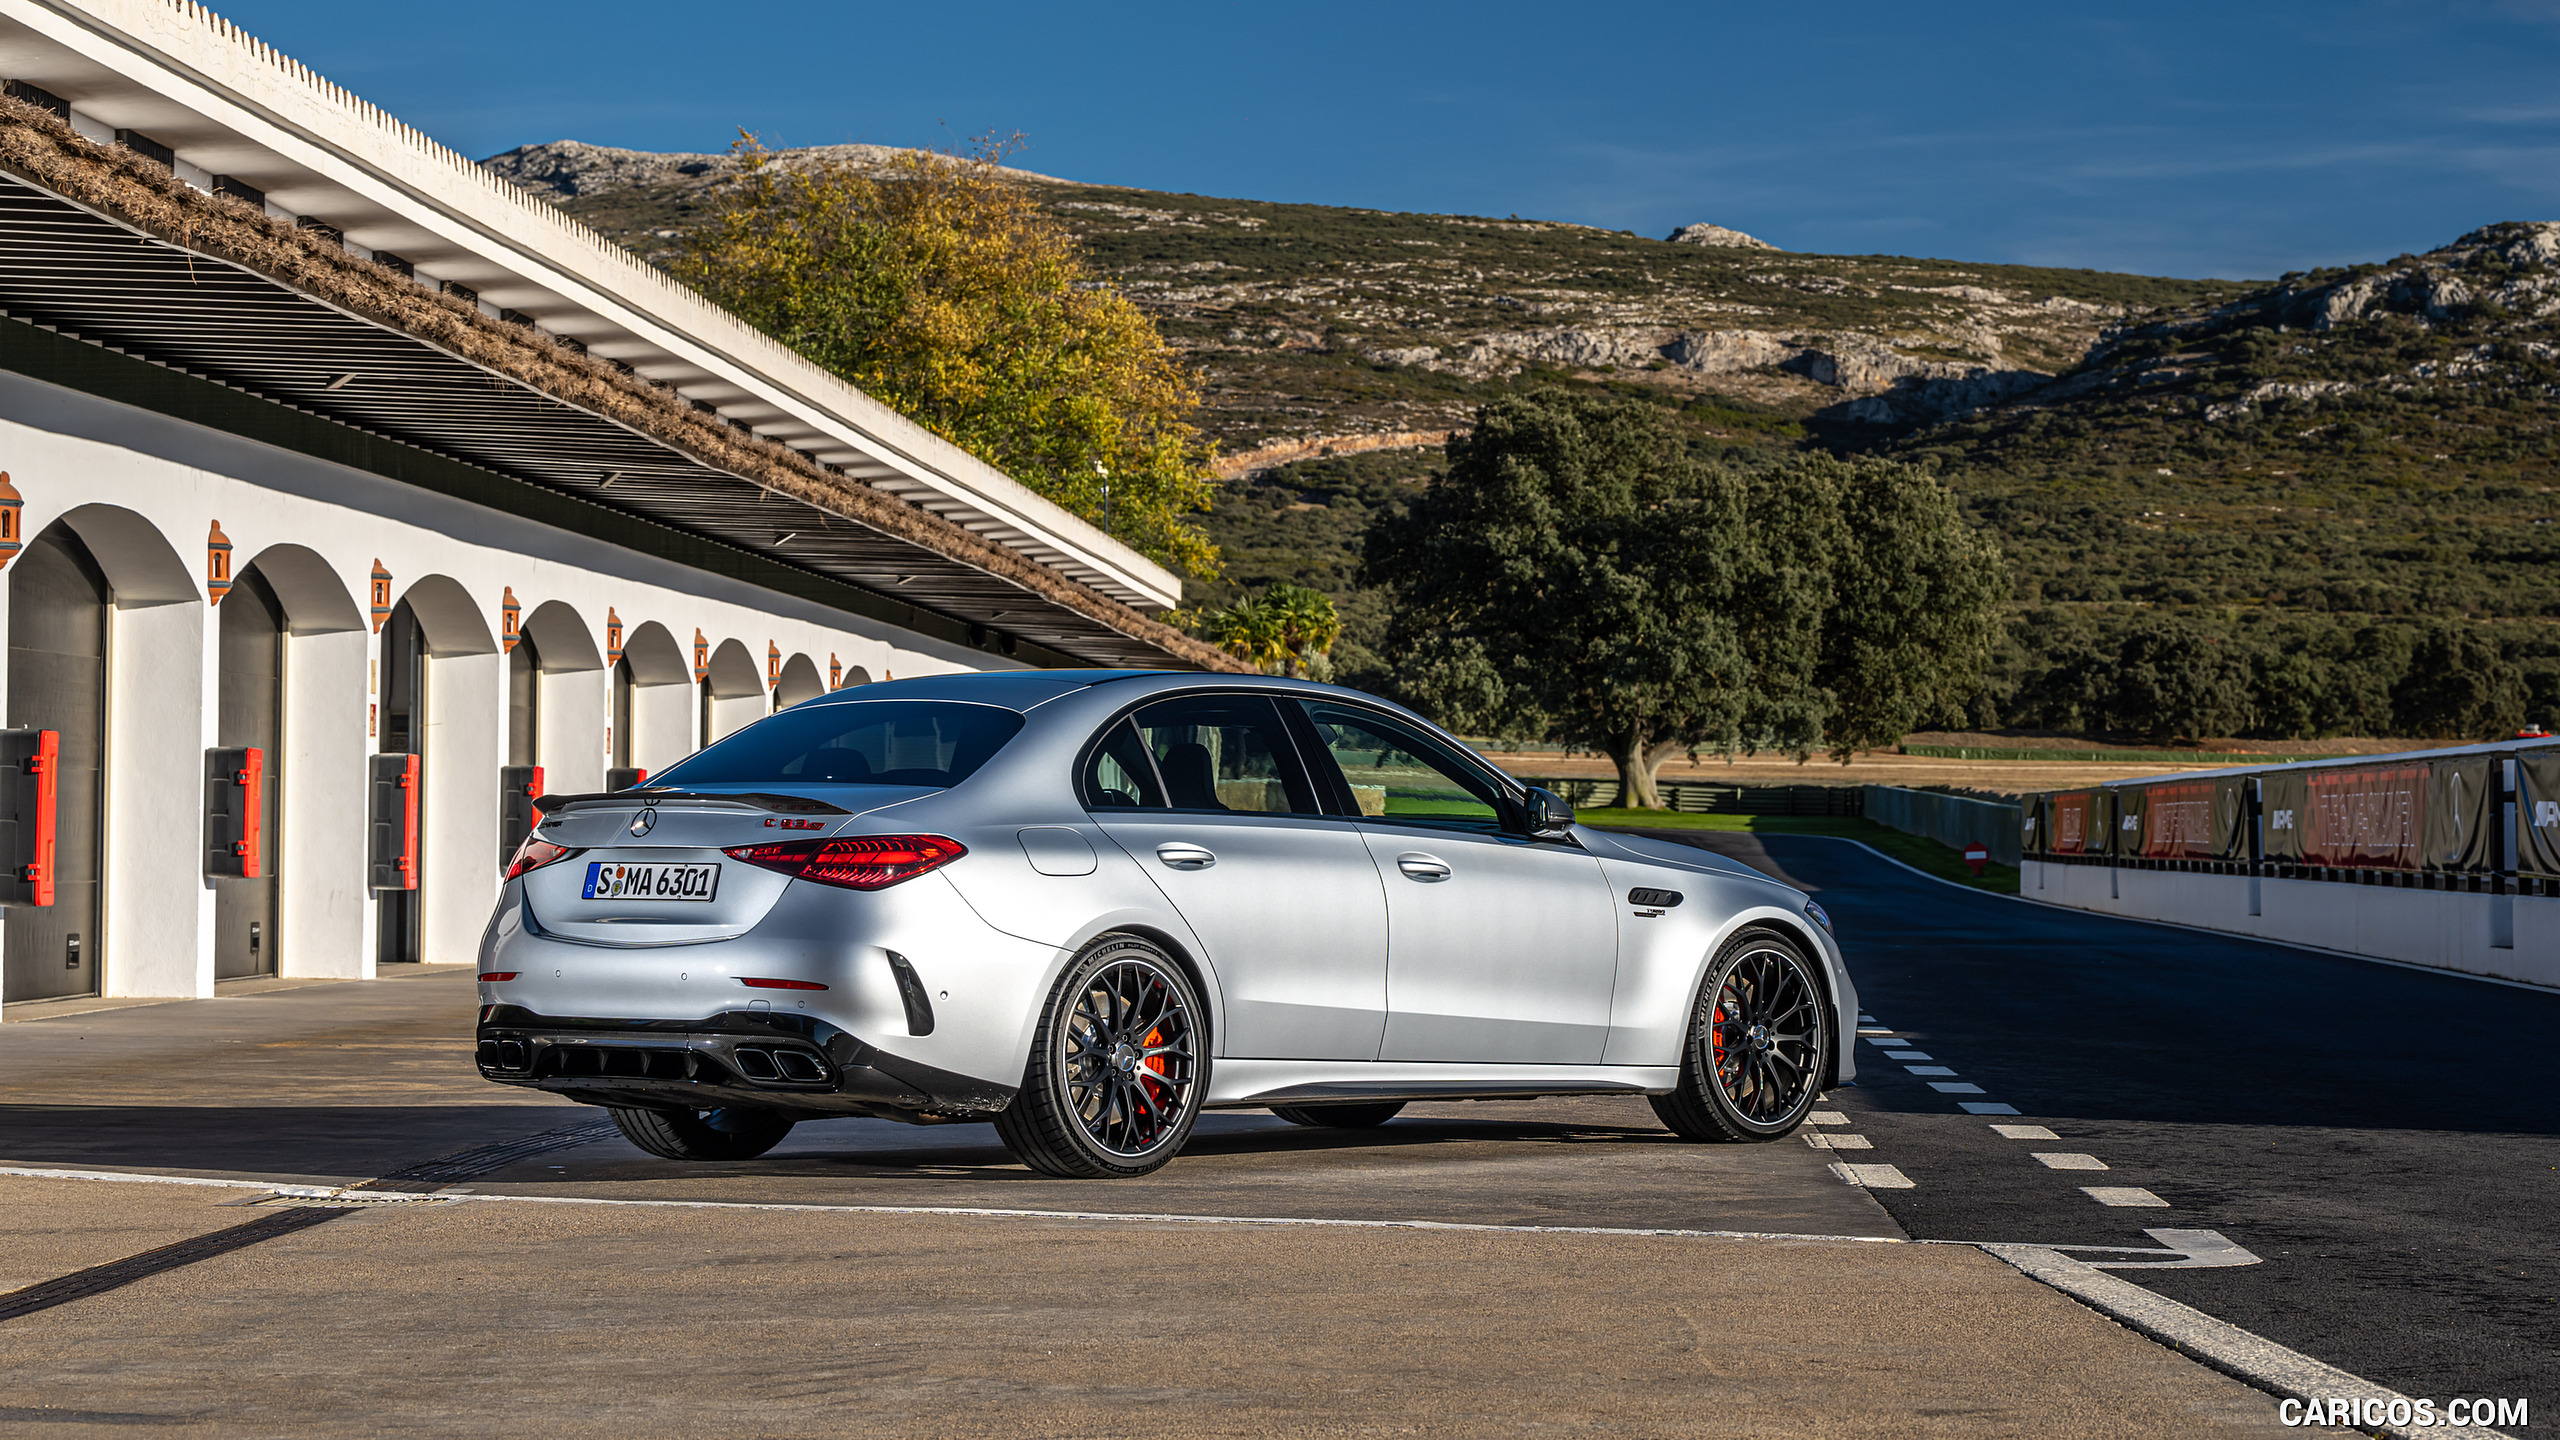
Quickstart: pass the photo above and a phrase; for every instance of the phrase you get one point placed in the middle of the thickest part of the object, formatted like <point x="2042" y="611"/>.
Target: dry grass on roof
<point x="38" y="147"/>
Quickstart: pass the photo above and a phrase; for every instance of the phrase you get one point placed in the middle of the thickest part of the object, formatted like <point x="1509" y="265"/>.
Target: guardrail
<point x="2131" y="757"/>
<point x="1690" y="797"/>
<point x="1950" y="820"/>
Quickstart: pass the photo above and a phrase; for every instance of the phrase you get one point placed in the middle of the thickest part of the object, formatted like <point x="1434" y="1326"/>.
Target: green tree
<point x="1915" y="603"/>
<point x="942" y="289"/>
<point x="1577" y="572"/>
<point x="1285" y="628"/>
<point x="2459" y="687"/>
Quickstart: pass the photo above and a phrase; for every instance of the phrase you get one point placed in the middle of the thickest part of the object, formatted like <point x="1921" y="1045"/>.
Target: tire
<point x="1341" y="1117"/>
<point x="729" y="1134"/>
<point x="1758" y="1047"/>
<point x="1118" y="1067"/>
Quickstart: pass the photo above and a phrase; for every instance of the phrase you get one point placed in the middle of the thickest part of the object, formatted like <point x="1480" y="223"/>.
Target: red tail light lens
<point x="763" y="984"/>
<point x="856" y="862"/>
<point x="535" y="853"/>
<point x="493" y="976"/>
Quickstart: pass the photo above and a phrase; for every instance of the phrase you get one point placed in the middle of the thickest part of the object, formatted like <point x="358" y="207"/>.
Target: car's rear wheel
<point x="1118" y="1067"/>
<point x="1367" y="1116"/>
<point x="1759" y="1044"/>
<point x="732" y="1133"/>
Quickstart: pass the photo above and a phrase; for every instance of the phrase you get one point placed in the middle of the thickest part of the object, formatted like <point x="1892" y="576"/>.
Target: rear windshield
<point x="877" y="742"/>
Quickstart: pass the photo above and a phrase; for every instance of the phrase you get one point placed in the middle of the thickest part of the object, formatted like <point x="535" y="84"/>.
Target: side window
<point x="1398" y="773"/>
<point x="1120" y="776"/>
<point x="1201" y="753"/>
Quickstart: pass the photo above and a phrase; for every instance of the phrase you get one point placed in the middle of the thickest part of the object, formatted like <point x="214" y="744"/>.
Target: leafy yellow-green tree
<point x="938" y="285"/>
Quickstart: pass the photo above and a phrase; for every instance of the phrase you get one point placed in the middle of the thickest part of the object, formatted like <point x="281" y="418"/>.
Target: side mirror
<point x="1549" y="817"/>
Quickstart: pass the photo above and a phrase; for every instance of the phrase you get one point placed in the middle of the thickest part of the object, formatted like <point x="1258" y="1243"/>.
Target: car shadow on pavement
<point x="352" y="1141"/>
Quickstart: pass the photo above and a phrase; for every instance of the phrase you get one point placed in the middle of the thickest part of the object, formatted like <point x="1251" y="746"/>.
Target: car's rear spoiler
<point x="777" y="804"/>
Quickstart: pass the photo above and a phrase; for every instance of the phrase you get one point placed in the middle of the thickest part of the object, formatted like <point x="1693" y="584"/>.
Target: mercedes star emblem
<point x="646" y="821"/>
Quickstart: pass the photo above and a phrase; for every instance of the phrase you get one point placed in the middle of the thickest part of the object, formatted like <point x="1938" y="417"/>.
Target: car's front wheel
<point x="1118" y="1067"/>
<point x="1759" y="1044"/>
<point x="733" y="1133"/>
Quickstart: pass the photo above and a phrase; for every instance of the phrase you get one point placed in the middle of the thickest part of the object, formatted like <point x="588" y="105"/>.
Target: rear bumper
<point x="796" y="1064"/>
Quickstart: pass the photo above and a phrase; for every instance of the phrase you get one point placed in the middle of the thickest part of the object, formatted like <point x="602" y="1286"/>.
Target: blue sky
<point x="2230" y="139"/>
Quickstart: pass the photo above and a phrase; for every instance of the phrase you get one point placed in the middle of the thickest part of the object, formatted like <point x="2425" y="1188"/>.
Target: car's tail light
<point x="856" y="862"/>
<point x="535" y="853"/>
<point x="494" y="976"/>
<point x="761" y="983"/>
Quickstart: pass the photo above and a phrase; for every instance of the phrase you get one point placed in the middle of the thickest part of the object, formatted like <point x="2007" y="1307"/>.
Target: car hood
<point x="1673" y="854"/>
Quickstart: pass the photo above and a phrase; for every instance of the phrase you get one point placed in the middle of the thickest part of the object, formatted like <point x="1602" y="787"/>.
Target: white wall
<point x="158" y="907"/>
<point x="167" y="482"/>
<point x="573" y="739"/>
<point x="662" y="718"/>
<point x="2441" y="929"/>
<point x="324" y="919"/>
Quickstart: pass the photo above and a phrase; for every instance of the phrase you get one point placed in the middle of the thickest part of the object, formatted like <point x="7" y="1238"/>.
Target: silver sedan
<point x="1088" y="905"/>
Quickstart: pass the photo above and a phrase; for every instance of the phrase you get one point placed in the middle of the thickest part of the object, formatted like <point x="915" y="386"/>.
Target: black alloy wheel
<point x="732" y="1133"/>
<point x="1364" y="1115"/>
<point x="1759" y="1044"/>
<point x="1117" y="1067"/>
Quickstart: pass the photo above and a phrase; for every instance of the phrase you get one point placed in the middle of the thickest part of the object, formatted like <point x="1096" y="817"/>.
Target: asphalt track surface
<point x="2387" y="1139"/>
<point x="2381" y="1137"/>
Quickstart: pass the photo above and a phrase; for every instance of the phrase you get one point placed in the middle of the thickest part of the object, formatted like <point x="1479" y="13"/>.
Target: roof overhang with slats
<point x="604" y="379"/>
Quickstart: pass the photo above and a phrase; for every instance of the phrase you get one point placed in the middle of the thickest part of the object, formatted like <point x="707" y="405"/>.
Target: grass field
<point x="1915" y="851"/>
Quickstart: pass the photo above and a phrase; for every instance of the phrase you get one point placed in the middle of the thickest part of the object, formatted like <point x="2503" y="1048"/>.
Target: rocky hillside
<point x="1314" y="322"/>
<point x="2229" y="508"/>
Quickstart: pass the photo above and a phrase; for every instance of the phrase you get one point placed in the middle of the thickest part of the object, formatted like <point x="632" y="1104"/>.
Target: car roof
<point x="1012" y="689"/>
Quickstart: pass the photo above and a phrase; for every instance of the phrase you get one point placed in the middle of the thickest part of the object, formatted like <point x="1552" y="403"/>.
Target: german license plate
<point x="610" y="880"/>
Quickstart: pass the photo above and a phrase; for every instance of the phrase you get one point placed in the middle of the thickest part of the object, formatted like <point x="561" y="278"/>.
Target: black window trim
<point x="1510" y="796"/>
<point x="1290" y="720"/>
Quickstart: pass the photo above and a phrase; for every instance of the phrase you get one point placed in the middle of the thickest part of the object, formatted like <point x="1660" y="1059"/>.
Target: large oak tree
<point x="1577" y="573"/>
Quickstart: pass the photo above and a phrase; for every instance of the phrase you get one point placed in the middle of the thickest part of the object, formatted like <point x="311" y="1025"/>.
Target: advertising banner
<point x="2070" y="818"/>
<point x="2032" y="824"/>
<point x="2231" y="817"/>
<point x="2538" y="813"/>
<point x="2132" y="804"/>
<point x="2462" y="808"/>
<point x="2284" y="800"/>
<point x="2191" y="820"/>
<point x="2366" y="818"/>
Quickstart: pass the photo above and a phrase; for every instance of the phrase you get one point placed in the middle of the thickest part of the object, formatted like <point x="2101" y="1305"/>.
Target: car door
<point x="1500" y="948"/>
<point x="1210" y="795"/>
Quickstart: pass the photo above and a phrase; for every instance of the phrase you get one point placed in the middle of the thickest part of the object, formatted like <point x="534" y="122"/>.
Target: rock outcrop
<point x="1705" y="234"/>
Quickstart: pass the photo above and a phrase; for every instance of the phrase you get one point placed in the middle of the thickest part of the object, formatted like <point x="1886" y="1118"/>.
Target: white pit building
<point x="322" y="441"/>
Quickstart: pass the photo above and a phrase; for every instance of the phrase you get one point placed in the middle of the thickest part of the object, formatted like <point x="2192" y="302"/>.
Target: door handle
<point x="1419" y="866"/>
<point x="1185" y="857"/>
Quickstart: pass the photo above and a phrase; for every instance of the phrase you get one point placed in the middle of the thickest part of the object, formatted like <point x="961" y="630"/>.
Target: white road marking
<point x="2223" y="1345"/>
<point x="2132" y="1196"/>
<point x="1826" y="1117"/>
<point x="1955" y="1087"/>
<point x="2023" y="1132"/>
<point x="1827" y="1141"/>
<point x="1909" y="1055"/>
<point x="1873" y="1177"/>
<point x="1866" y="1019"/>
<point x="1929" y="1069"/>
<point x="978" y="1212"/>
<point x="2064" y="1160"/>
<point x="1988" y="1107"/>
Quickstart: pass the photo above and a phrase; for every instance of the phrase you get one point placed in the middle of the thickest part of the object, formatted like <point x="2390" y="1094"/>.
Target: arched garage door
<point x="58" y="601"/>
